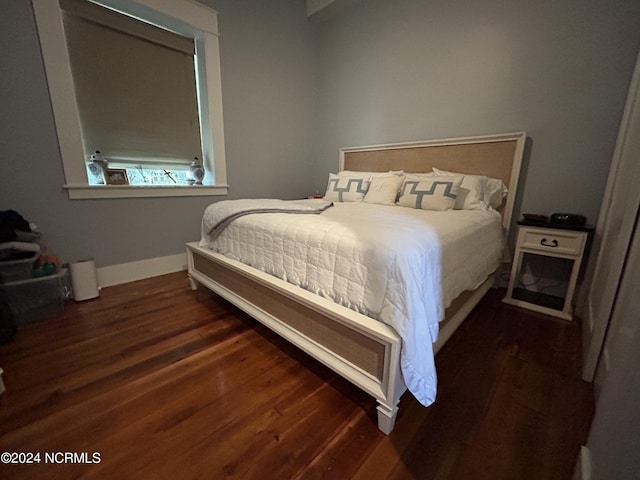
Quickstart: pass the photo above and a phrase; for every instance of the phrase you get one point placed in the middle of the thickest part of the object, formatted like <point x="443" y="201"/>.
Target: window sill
<point x="77" y="192"/>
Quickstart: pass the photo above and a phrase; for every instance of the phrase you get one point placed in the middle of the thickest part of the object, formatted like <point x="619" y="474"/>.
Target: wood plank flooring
<point x="162" y="382"/>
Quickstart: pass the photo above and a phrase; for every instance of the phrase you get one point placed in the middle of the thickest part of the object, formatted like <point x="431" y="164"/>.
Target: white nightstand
<point x="557" y="242"/>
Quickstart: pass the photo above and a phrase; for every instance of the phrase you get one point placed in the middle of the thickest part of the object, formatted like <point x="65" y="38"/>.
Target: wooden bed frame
<point x="363" y="350"/>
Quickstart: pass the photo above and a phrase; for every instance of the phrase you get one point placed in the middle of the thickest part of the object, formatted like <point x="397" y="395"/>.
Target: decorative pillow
<point x="495" y="192"/>
<point x="471" y="195"/>
<point x="494" y="189"/>
<point x="384" y="189"/>
<point x="429" y="193"/>
<point x="347" y="188"/>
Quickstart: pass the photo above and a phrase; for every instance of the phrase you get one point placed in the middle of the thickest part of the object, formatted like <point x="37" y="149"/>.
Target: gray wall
<point x="270" y="92"/>
<point x="295" y="91"/>
<point x="413" y="69"/>
<point x="269" y="87"/>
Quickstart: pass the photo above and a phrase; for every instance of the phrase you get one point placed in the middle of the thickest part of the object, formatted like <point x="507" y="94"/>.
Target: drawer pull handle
<point x="547" y="243"/>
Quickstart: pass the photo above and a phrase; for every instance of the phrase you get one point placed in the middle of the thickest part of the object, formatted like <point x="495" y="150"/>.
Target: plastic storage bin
<point x="36" y="298"/>
<point x="14" y="270"/>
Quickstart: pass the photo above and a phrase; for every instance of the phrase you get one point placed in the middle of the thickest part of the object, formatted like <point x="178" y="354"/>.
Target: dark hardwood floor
<point x="162" y="382"/>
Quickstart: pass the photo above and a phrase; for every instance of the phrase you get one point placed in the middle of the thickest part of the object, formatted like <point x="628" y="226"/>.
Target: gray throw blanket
<point x="220" y="214"/>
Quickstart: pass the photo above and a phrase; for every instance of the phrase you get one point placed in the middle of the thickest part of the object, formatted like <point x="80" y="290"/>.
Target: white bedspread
<point x="399" y="265"/>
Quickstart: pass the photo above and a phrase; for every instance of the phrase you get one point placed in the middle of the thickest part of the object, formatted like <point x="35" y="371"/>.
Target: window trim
<point x="186" y="17"/>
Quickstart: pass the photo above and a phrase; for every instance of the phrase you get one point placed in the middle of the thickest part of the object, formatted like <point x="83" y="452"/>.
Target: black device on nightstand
<point x="567" y="219"/>
<point x="573" y="219"/>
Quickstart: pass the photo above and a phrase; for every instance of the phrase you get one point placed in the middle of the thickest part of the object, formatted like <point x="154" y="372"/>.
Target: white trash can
<point x="84" y="280"/>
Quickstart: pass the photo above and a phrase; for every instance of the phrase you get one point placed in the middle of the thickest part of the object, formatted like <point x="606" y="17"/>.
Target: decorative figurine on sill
<point x="96" y="166"/>
<point x="196" y="172"/>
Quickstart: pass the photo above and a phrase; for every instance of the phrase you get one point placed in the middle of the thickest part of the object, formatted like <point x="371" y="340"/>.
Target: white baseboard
<point x="130" y="272"/>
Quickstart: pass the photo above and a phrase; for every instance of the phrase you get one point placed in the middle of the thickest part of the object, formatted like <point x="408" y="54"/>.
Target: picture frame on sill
<point x="116" y="176"/>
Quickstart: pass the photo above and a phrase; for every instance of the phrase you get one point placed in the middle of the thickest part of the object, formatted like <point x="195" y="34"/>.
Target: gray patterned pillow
<point x="347" y="188"/>
<point x="429" y="193"/>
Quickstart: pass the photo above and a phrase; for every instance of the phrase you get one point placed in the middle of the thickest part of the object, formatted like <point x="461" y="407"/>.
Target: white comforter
<point x="399" y="265"/>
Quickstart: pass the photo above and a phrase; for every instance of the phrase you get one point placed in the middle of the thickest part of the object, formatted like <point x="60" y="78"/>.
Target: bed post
<point x="193" y="283"/>
<point x="386" y="417"/>
<point x="394" y="387"/>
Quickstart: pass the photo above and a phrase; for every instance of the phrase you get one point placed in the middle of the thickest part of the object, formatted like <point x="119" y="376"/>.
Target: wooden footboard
<point x="364" y="351"/>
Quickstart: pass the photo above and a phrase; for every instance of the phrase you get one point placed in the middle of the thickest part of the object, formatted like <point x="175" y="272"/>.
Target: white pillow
<point x="384" y="189"/>
<point x="492" y="190"/>
<point x="347" y="188"/>
<point x="495" y="192"/>
<point x="429" y="193"/>
<point x="471" y="195"/>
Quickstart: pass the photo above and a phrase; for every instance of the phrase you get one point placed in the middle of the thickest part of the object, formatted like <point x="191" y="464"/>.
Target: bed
<point x="349" y="337"/>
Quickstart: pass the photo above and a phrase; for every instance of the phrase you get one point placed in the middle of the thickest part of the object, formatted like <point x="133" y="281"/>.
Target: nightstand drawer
<point x="548" y="240"/>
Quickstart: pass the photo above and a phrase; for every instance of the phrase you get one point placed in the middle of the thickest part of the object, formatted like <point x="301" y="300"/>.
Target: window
<point x="87" y="119"/>
<point x="135" y="87"/>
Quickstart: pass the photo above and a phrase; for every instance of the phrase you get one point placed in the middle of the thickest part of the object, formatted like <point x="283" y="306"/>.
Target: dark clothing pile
<point x="17" y="238"/>
<point x="17" y="242"/>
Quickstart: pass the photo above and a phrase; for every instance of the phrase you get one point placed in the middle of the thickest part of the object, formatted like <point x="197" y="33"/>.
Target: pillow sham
<point x="429" y="193"/>
<point x="347" y="188"/>
<point x="384" y="189"/>
<point x="493" y="189"/>
<point x="495" y="192"/>
<point x="471" y="195"/>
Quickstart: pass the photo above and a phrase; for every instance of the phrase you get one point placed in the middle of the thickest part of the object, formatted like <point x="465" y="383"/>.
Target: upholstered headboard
<point x="496" y="156"/>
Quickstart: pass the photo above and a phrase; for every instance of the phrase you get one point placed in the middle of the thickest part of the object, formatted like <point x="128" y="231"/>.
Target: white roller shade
<point x="135" y="86"/>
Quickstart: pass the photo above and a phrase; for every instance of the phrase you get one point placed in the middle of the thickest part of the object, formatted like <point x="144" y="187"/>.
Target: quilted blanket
<point x="399" y="265"/>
